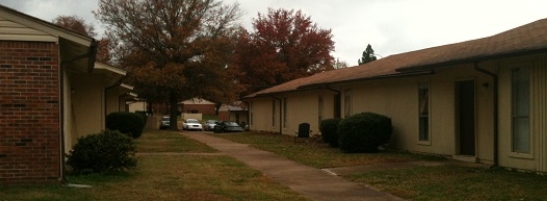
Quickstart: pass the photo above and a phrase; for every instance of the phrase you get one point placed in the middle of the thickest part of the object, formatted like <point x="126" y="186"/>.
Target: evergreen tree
<point x="368" y="56"/>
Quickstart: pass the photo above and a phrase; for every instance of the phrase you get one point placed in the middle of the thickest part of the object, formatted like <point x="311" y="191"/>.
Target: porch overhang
<point x="112" y="74"/>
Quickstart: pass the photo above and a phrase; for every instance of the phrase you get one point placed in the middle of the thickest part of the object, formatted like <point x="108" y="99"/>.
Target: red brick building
<point x="197" y="105"/>
<point x="237" y="112"/>
<point x="29" y="99"/>
<point x="50" y="94"/>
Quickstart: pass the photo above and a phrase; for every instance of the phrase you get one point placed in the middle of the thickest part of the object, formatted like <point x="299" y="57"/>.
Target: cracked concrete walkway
<point x="308" y="181"/>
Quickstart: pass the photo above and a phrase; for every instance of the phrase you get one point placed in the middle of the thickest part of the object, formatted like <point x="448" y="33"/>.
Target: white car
<point x="210" y="124"/>
<point x="192" y="124"/>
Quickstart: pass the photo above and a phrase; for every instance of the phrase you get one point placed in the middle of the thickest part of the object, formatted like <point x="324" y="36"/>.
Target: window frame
<point x="285" y="121"/>
<point x="251" y="113"/>
<point x="348" y="103"/>
<point x="424" y="112"/>
<point x="516" y="115"/>
<point x="273" y="113"/>
<point x="319" y="109"/>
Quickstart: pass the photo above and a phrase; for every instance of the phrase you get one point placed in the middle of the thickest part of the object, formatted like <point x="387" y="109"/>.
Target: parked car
<point x="192" y="124"/>
<point x="227" y="126"/>
<point x="165" y="122"/>
<point x="210" y="124"/>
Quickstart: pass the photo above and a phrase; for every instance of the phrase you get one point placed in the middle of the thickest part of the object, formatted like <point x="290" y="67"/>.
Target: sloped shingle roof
<point x="526" y="39"/>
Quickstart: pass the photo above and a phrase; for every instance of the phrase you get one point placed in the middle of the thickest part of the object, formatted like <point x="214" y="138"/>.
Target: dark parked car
<point x="165" y="122"/>
<point x="227" y="126"/>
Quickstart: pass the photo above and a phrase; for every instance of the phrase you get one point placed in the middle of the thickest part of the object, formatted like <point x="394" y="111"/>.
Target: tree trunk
<point x="217" y="107"/>
<point x="173" y="111"/>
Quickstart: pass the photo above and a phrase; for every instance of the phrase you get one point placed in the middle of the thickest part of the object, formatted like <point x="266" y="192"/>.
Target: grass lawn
<point x="169" y="141"/>
<point x="165" y="177"/>
<point x="448" y="182"/>
<point x="457" y="183"/>
<point x="319" y="154"/>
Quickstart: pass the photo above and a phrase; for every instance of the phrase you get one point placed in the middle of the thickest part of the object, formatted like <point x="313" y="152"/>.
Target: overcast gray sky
<point x="390" y="26"/>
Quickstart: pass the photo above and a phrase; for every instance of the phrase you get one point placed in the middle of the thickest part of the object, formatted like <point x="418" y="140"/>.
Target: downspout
<point x="338" y="112"/>
<point x="91" y="56"/>
<point x="496" y="111"/>
<point x="280" y="116"/>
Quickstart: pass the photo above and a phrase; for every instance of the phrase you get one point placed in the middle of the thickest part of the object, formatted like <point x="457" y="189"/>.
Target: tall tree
<point x="283" y="45"/>
<point x="103" y="50"/>
<point x="78" y="25"/>
<point x="174" y="50"/>
<point x="368" y="56"/>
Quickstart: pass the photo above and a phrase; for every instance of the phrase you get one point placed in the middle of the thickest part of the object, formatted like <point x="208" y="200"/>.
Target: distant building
<point x="481" y="100"/>
<point x="237" y="112"/>
<point x="197" y="105"/>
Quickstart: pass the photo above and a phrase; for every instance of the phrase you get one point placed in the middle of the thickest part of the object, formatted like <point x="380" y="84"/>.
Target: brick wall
<point x="207" y="109"/>
<point x="29" y="113"/>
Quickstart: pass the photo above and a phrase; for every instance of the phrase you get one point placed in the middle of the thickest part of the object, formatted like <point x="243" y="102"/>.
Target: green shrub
<point x="143" y="114"/>
<point x="104" y="152"/>
<point x="364" y="132"/>
<point x="128" y="123"/>
<point x="329" y="132"/>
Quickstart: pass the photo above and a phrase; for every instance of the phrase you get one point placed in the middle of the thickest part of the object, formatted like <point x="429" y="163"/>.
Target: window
<point x="520" y="109"/>
<point x="251" y="113"/>
<point x="337" y="107"/>
<point x="347" y="103"/>
<point x="284" y="112"/>
<point x="320" y="109"/>
<point x="423" y="111"/>
<point x="273" y="112"/>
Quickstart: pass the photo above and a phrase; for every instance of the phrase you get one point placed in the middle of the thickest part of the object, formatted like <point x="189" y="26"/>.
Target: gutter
<point x="496" y="111"/>
<point x="280" y="116"/>
<point x="89" y="55"/>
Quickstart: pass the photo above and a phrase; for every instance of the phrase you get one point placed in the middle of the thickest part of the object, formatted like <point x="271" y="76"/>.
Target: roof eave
<point x="386" y="76"/>
<point x="47" y="27"/>
<point x="471" y="60"/>
<point x="114" y="75"/>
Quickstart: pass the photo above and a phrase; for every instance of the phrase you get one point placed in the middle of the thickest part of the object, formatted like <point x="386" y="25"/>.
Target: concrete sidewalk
<point x="309" y="182"/>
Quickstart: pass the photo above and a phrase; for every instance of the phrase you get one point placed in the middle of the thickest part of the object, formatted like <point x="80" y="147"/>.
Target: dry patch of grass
<point x="177" y="178"/>
<point x="319" y="154"/>
<point x="457" y="183"/>
<point x="154" y="141"/>
<point x="165" y="177"/>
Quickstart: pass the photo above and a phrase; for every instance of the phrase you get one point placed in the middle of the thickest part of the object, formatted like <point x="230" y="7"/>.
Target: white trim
<point x="43" y="26"/>
<point x="127" y="86"/>
<point x="101" y="66"/>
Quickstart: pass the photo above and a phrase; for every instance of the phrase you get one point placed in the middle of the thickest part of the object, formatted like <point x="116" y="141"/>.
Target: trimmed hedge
<point x="143" y="114"/>
<point x="329" y="132"/>
<point x="128" y="123"/>
<point x="104" y="152"/>
<point x="364" y="132"/>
